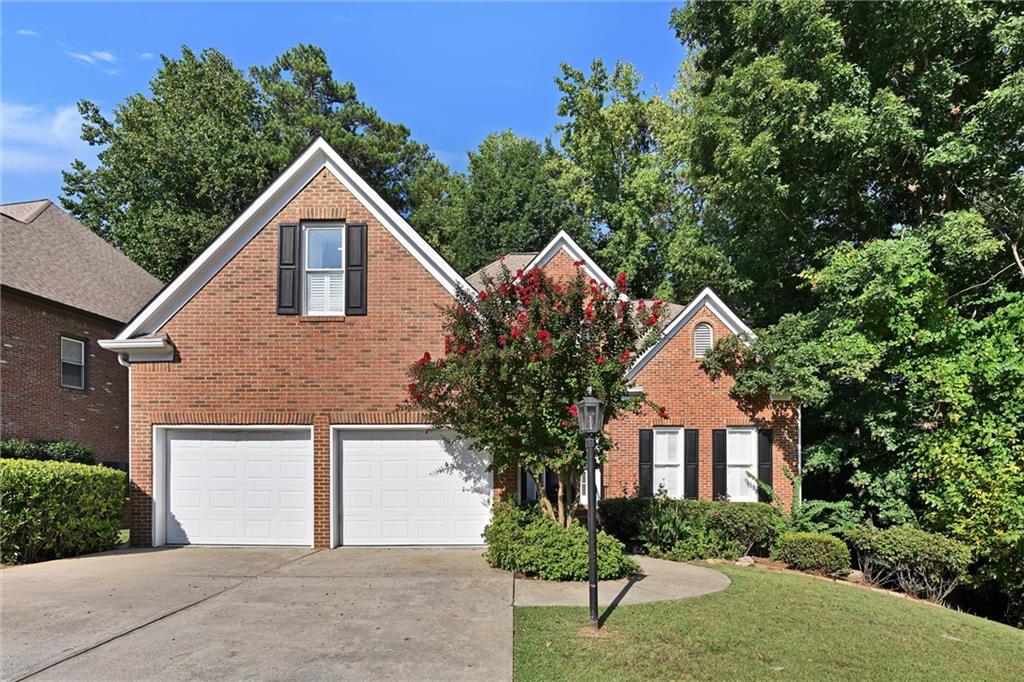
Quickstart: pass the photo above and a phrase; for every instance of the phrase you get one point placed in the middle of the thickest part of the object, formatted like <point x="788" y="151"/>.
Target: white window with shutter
<point x="72" y="363"/>
<point x="741" y="464"/>
<point x="324" y="263"/>
<point x="703" y="339"/>
<point x="668" y="461"/>
<point x="583" y="486"/>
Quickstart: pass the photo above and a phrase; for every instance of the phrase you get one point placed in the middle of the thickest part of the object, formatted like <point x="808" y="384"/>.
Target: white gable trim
<point x="563" y="242"/>
<point x="705" y="299"/>
<point x="317" y="156"/>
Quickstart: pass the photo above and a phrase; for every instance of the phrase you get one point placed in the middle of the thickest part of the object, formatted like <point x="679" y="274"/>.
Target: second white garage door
<point x="411" y="488"/>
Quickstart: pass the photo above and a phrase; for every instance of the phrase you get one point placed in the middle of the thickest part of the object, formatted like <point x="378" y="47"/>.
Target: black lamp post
<point x="590" y="412"/>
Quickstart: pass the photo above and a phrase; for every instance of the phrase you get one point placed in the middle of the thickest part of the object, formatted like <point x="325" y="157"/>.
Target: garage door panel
<point x="407" y="488"/>
<point x="239" y="487"/>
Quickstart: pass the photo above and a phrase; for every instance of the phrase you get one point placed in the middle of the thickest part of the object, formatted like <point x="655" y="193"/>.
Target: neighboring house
<point x="268" y="386"/>
<point x="62" y="288"/>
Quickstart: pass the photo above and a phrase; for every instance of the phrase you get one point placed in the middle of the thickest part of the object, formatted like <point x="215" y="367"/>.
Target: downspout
<point x="800" y="449"/>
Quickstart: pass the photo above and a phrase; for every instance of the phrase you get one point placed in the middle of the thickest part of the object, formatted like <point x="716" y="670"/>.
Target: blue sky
<point x="451" y="72"/>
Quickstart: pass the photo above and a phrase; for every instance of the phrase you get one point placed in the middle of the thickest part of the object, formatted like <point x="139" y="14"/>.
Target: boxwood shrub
<point x="922" y="564"/>
<point x="814" y="552"/>
<point x="691" y="529"/>
<point x="50" y="510"/>
<point x="522" y="539"/>
<point x="56" y="450"/>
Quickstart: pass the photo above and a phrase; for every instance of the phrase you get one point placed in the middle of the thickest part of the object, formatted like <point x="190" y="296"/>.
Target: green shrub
<point x="50" y="510"/>
<point x="55" y="450"/>
<point x="922" y="564"/>
<point x="667" y="527"/>
<point x="814" y="552"/>
<point x="822" y="516"/>
<point x="523" y="540"/>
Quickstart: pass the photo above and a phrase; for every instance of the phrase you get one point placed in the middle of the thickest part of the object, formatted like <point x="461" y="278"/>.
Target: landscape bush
<point x="523" y="540"/>
<point x="813" y="552"/>
<point x="688" y="528"/>
<point x="55" y="450"/>
<point x="50" y="510"/>
<point x="922" y="564"/>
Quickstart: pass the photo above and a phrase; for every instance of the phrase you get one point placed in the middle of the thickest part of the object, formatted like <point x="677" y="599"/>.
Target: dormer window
<point x="324" y="271"/>
<point x="703" y="339"/>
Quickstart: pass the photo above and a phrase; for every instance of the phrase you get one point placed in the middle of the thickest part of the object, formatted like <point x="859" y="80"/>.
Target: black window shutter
<point x="355" y="270"/>
<point x="718" y="458"/>
<point x="288" y="258"/>
<point x="690" y="490"/>
<point x="646" y="480"/>
<point x="764" y="461"/>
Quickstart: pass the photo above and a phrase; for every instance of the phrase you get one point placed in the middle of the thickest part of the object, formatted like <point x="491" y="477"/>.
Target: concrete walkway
<point x="660" y="580"/>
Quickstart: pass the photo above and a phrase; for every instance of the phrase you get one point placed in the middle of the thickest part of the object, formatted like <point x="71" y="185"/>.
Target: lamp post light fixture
<point x="590" y="413"/>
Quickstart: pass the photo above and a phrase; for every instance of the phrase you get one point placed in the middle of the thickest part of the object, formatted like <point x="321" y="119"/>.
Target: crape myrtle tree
<point x="519" y="354"/>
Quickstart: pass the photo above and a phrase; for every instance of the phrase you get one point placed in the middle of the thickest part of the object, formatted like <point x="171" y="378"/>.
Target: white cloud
<point x="80" y="56"/>
<point x="28" y="32"/>
<point x="39" y="139"/>
<point x="104" y="56"/>
<point x="146" y="55"/>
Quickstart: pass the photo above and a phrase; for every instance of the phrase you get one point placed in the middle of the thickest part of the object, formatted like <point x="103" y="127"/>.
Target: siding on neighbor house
<point x="33" y="404"/>
<point x="242" y="363"/>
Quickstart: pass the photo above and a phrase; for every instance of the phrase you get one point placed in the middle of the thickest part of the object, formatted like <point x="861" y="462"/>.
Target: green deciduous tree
<point x="517" y="358"/>
<point x="177" y="165"/>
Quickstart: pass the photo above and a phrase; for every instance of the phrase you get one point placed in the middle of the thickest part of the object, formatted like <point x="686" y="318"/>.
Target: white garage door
<point x="240" y="487"/>
<point x="411" y="488"/>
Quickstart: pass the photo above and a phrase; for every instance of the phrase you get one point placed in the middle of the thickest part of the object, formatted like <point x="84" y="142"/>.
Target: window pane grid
<point x="324" y="271"/>
<point x="667" y="462"/>
<point x="72" y="363"/>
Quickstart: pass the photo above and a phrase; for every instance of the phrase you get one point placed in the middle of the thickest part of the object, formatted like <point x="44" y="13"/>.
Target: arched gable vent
<point x="703" y="339"/>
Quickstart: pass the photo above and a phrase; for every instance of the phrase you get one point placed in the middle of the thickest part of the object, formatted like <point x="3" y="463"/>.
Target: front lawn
<point x="768" y="625"/>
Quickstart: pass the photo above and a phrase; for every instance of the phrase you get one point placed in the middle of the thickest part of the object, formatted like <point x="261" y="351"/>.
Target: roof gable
<point x="705" y="299"/>
<point x="317" y="156"/>
<point x="563" y="242"/>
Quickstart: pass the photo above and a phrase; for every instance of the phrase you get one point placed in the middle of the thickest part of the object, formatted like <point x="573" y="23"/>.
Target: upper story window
<point x="703" y="339"/>
<point x="324" y="271"/>
<point x="72" y="363"/>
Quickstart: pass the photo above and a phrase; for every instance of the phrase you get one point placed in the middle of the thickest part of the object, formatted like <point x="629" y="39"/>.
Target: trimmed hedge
<point x="691" y="529"/>
<point x="919" y="563"/>
<point x="523" y="540"/>
<point x="55" y="450"/>
<point x="814" y="552"/>
<point x="50" y="510"/>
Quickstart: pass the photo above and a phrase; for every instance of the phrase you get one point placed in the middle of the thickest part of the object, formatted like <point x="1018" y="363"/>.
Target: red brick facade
<point x="240" y="362"/>
<point x="34" y="405"/>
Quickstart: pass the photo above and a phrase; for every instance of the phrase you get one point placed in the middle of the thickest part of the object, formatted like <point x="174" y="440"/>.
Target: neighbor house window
<point x="324" y="271"/>
<point x="741" y="464"/>
<point x="72" y="363"/>
<point x="668" y="450"/>
<point x="703" y="338"/>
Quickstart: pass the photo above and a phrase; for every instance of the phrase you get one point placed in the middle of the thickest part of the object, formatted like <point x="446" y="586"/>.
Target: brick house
<point x="63" y="288"/>
<point x="268" y="386"/>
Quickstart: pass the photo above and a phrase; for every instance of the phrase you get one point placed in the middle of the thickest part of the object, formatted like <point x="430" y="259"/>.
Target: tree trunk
<point x="542" y="497"/>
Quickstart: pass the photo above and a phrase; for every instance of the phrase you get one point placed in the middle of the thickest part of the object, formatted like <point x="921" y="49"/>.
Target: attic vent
<point x="703" y="338"/>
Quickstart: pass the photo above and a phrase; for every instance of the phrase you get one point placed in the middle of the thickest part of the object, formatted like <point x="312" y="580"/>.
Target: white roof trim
<point x="708" y="299"/>
<point x="317" y="156"/>
<point x="562" y="241"/>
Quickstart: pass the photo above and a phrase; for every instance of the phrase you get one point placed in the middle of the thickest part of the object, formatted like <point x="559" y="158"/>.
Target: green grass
<point x="768" y="626"/>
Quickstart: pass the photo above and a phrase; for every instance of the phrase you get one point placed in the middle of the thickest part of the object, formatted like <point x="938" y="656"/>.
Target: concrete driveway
<point x="258" y="613"/>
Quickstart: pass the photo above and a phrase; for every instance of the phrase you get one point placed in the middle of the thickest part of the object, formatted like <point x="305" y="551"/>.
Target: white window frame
<point x="711" y="330"/>
<point x="731" y="467"/>
<point x="306" y="229"/>
<point x="583" y="485"/>
<point x="81" y="345"/>
<point x="679" y="431"/>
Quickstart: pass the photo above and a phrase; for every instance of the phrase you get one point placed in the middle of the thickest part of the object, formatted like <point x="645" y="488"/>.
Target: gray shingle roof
<point x="47" y="253"/>
<point x="513" y="261"/>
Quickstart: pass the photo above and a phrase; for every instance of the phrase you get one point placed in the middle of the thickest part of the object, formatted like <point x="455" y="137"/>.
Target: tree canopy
<point x="178" y="164"/>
